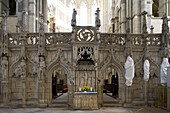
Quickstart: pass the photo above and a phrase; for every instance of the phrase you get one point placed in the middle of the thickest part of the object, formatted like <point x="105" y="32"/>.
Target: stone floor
<point x="101" y="110"/>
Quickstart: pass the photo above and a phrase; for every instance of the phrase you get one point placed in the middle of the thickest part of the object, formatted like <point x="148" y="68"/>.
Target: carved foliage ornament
<point x="56" y="39"/>
<point x="85" y="53"/>
<point x="85" y="35"/>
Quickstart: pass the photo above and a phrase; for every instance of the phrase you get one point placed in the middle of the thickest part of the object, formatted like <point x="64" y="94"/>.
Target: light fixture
<point x="136" y="16"/>
<point x="36" y="18"/>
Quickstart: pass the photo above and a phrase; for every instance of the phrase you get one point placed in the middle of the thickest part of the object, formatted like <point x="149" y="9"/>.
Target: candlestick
<point x="91" y="89"/>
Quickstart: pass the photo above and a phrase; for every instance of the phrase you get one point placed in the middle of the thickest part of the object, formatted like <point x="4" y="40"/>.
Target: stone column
<point x="23" y="67"/>
<point x="45" y="15"/>
<point x="16" y="7"/>
<point x="4" y="61"/>
<point x="143" y="8"/>
<point x="25" y="14"/>
<point x="128" y="96"/>
<point x="38" y="12"/>
<point x="123" y="16"/>
<point x="165" y="37"/>
<point x="41" y="11"/>
<point x="136" y="16"/>
<point x="116" y="25"/>
<point x="168" y="90"/>
<point x="4" y="82"/>
<point x="41" y="76"/>
<point x="42" y="65"/>
<point x="149" y="15"/>
<point x="32" y="16"/>
<point x="23" y="77"/>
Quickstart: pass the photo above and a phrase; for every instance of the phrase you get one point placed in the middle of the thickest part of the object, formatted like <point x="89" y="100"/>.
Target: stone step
<point x="58" y="105"/>
<point x="59" y="102"/>
<point x="114" y="102"/>
<point x="138" y="102"/>
<point x="112" y="105"/>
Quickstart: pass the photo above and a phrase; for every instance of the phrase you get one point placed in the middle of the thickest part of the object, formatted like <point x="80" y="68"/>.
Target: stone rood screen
<point x="28" y="61"/>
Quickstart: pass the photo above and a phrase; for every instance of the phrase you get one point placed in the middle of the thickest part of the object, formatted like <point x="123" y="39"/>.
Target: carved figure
<point x="23" y="68"/>
<point x="73" y="21"/>
<point x="4" y="67"/>
<point x="41" y="68"/>
<point x="97" y="20"/>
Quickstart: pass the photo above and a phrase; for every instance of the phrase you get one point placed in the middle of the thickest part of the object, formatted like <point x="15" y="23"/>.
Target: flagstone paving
<point x="101" y="110"/>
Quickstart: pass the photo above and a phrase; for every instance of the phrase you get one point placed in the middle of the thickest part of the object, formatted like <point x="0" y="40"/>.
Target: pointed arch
<point x="111" y="61"/>
<point x="57" y="63"/>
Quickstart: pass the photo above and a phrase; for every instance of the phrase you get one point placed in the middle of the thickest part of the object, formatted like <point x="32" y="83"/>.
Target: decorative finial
<point x="97" y="21"/>
<point x="73" y="21"/>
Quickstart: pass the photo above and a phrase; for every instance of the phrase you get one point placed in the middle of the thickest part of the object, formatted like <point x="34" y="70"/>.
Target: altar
<point x="85" y="100"/>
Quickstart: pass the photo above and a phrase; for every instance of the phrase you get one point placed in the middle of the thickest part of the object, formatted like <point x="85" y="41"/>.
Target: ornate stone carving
<point x="20" y="71"/>
<point x="85" y="35"/>
<point x="85" y="53"/>
<point x="57" y="39"/>
<point x="112" y="39"/>
<point x="97" y="19"/>
<point x="73" y="21"/>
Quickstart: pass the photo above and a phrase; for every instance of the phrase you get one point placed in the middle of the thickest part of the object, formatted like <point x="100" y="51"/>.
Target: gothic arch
<point x="13" y="67"/>
<point x="58" y="63"/>
<point x="111" y="61"/>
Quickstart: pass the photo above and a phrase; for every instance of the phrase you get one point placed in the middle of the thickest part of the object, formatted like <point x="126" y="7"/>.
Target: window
<point x="94" y="8"/>
<point x="12" y="7"/>
<point x="83" y="14"/>
<point x="155" y="8"/>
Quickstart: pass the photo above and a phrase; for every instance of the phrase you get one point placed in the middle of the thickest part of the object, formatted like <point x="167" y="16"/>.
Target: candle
<point x="91" y="89"/>
<point x="79" y="89"/>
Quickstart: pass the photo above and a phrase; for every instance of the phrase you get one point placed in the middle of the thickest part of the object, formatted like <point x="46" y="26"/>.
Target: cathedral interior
<point x="84" y="54"/>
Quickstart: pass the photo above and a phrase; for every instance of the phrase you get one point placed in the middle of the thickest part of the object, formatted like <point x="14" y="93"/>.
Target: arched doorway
<point x="110" y="86"/>
<point x="59" y="86"/>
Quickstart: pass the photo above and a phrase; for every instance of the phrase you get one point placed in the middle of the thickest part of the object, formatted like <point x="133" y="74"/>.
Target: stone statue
<point x="23" y="68"/>
<point x="73" y="21"/>
<point x="41" y="67"/>
<point x="4" y="67"/>
<point x="144" y="22"/>
<point x="165" y="28"/>
<point x="97" y="20"/>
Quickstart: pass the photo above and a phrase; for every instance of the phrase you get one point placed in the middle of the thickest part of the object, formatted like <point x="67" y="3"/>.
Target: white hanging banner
<point x="129" y="71"/>
<point x="146" y="70"/>
<point x="163" y="70"/>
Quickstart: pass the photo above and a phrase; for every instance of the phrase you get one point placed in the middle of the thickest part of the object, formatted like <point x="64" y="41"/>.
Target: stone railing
<point x="32" y="39"/>
<point x="105" y="39"/>
<point x="112" y="39"/>
<point x="135" y="39"/>
<point x="153" y="40"/>
<point x="57" y="38"/>
<point x="14" y="39"/>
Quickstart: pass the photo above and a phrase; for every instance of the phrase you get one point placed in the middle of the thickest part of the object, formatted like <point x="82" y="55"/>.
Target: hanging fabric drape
<point x="129" y="71"/>
<point x="163" y="70"/>
<point x="146" y="70"/>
